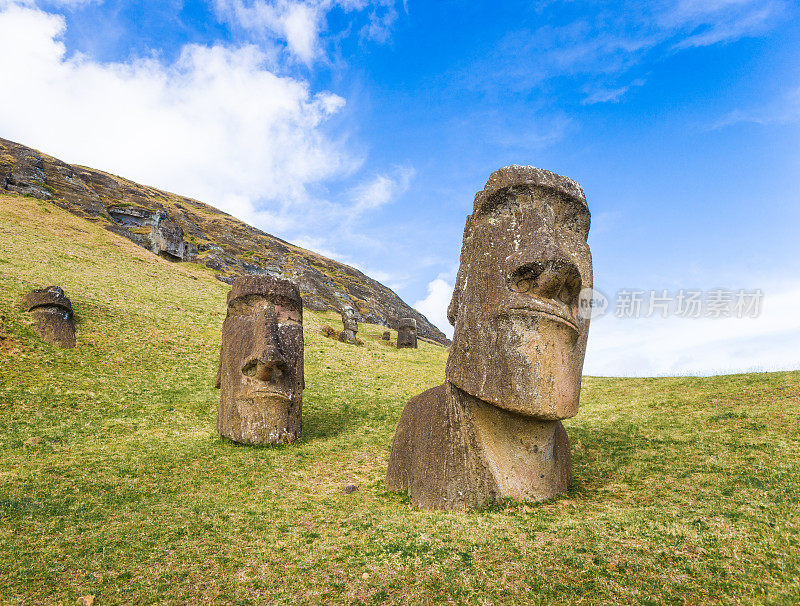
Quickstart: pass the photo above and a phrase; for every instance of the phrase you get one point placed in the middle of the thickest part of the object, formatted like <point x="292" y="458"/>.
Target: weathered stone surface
<point x="26" y="176"/>
<point x="162" y="236"/>
<point x="261" y="362"/>
<point x="207" y="235"/>
<point x="386" y="335"/>
<point x="53" y="317"/>
<point x="348" y="335"/>
<point x="493" y="429"/>
<point x="406" y="333"/>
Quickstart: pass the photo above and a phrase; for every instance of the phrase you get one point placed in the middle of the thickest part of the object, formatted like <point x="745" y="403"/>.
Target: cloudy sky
<point x="362" y="129"/>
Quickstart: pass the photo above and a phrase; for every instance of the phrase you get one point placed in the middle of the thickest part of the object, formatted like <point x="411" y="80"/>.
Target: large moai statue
<point x="493" y="430"/>
<point x="348" y="335"/>
<point x="261" y="362"/>
<point x="406" y="333"/>
<point x="53" y="318"/>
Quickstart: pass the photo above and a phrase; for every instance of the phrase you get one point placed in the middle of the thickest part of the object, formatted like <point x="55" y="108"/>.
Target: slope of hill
<point x="114" y="483"/>
<point x="181" y="229"/>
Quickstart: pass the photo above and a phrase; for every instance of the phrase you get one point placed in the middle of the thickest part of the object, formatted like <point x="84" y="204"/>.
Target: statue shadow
<point x="622" y="454"/>
<point x="321" y="421"/>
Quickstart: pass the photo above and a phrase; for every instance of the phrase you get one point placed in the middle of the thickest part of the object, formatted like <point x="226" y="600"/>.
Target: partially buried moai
<point x="493" y="430"/>
<point x="348" y="335"/>
<point x="261" y="362"/>
<point x="406" y="333"/>
<point x="53" y="318"/>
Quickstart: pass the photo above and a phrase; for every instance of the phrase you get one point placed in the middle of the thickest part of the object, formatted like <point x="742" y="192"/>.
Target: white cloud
<point x="779" y="111"/>
<point x="380" y="22"/>
<point x="434" y="306"/>
<point x="216" y="124"/>
<point x="713" y="21"/>
<point x="610" y="95"/>
<point x="381" y="189"/>
<point x="300" y="22"/>
<point x="605" y="41"/>
<point x="674" y="345"/>
<point x="70" y="3"/>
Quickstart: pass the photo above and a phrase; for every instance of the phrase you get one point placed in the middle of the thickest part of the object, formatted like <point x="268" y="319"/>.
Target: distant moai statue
<point x="348" y="335"/>
<point x="493" y="429"/>
<point x="406" y="333"/>
<point x="386" y="335"/>
<point x="261" y="362"/>
<point x="53" y="317"/>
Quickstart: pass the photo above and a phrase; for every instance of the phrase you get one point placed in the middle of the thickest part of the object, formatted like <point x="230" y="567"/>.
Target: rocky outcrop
<point x="156" y="231"/>
<point x="183" y="229"/>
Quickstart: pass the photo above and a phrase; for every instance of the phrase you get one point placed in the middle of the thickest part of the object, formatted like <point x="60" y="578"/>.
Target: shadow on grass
<point x="321" y="421"/>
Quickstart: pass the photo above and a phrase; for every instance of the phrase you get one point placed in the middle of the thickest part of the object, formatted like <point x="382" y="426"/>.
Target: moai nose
<point x="546" y="272"/>
<point x="267" y="364"/>
<point x="270" y="371"/>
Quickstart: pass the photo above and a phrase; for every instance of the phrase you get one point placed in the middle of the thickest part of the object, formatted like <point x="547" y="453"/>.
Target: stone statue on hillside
<point x="493" y="430"/>
<point x="407" y="333"/>
<point x="348" y="335"/>
<point x="261" y="362"/>
<point x="53" y="317"/>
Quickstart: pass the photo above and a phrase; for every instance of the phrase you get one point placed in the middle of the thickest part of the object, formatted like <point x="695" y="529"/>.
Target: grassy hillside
<point x="686" y="490"/>
<point x="178" y="227"/>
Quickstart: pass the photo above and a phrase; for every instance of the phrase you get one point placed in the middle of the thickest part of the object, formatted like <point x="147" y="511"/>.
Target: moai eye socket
<point x="243" y="306"/>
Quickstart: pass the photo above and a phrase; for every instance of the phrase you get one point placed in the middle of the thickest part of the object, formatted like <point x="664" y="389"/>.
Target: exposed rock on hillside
<point x="183" y="229"/>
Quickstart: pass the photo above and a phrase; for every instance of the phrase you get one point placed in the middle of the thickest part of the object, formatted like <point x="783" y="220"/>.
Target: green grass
<point x="685" y="491"/>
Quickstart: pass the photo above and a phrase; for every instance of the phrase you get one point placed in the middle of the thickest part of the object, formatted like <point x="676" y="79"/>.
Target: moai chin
<point x="406" y="333"/>
<point x="261" y="362"/>
<point x="493" y="430"/>
<point x="348" y="335"/>
<point x="53" y="318"/>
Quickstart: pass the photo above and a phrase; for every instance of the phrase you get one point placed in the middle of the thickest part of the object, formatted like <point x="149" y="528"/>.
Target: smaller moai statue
<point x="406" y="333"/>
<point x="386" y="335"/>
<point x="53" y="318"/>
<point x="260" y="373"/>
<point x="350" y="326"/>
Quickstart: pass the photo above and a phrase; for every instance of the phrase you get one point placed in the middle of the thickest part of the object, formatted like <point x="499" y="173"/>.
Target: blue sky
<point x="363" y="128"/>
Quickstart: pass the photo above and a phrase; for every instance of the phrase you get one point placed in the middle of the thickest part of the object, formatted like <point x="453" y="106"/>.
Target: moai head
<point x="519" y="341"/>
<point x="261" y="362"/>
<point x="52" y="314"/>
<point x="348" y="335"/>
<point x="406" y="333"/>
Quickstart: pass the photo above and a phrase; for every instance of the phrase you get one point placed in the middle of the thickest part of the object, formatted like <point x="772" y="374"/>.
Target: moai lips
<point x="493" y="429"/>
<point x="406" y="333"/>
<point x="261" y="362"/>
<point x="53" y="318"/>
